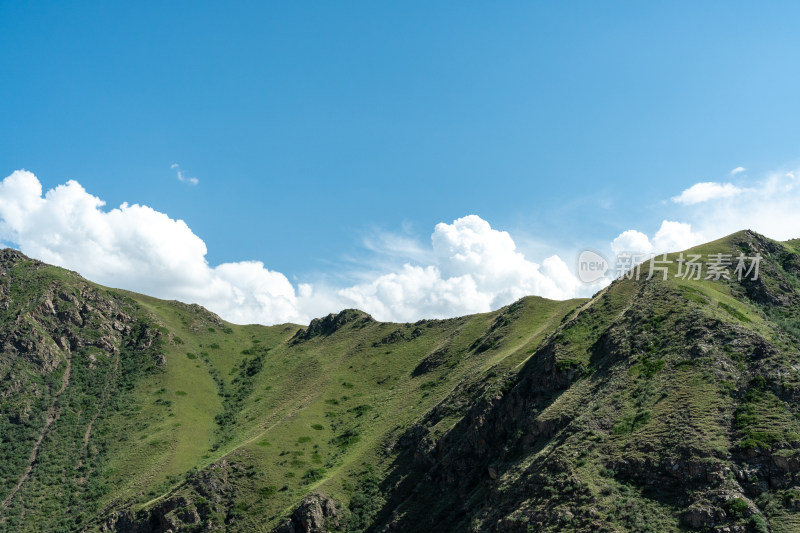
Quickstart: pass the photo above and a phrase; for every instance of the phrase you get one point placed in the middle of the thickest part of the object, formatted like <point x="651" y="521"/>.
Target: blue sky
<point x="315" y="129"/>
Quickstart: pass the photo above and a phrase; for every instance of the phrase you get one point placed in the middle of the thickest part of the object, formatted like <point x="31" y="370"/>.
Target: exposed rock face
<point x="772" y="286"/>
<point x="46" y="320"/>
<point x="207" y="502"/>
<point x="399" y="335"/>
<point x="60" y="317"/>
<point x="171" y="515"/>
<point x="202" y="318"/>
<point x="10" y="256"/>
<point x="315" y="514"/>
<point x="322" y="327"/>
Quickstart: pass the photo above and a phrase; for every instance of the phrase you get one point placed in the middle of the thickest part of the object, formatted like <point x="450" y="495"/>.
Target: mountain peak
<point x="12" y="256"/>
<point x="327" y="325"/>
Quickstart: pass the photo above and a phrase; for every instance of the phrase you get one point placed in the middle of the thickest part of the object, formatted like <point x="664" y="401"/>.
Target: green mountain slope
<point x="659" y="405"/>
<point x="168" y="403"/>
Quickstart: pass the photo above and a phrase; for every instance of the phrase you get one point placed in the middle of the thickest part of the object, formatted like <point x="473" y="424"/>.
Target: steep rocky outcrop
<point x="322" y="327"/>
<point x="315" y="514"/>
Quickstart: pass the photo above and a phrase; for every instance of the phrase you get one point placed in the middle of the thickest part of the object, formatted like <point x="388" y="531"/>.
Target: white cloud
<point x="770" y="207"/>
<point x="137" y="248"/>
<point x="670" y="237"/>
<point x="737" y="170"/>
<point x="182" y="177"/>
<point x="705" y="191"/>
<point x="417" y="291"/>
<point x="631" y="241"/>
<point x="675" y="237"/>
<point x="475" y="269"/>
<point x="469" y="267"/>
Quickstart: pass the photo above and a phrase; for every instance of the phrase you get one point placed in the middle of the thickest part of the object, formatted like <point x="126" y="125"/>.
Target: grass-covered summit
<point x="655" y="406"/>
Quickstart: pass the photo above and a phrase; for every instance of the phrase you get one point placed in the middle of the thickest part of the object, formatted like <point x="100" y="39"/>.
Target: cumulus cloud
<point x="705" y="191"/>
<point x="468" y="267"/>
<point x="182" y="177"/>
<point x="631" y="241"/>
<point x="737" y="170"/>
<point x="670" y="237"/>
<point x="769" y="207"/>
<point x="137" y="248"/>
<point x="675" y="236"/>
<point x="476" y="268"/>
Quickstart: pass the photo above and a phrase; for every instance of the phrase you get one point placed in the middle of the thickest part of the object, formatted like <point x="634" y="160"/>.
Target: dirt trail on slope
<point x="52" y="416"/>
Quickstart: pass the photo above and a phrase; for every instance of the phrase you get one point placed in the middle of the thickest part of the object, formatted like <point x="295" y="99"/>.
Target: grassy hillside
<point x="277" y="411"/>
<point x="662" y="405"/>
<point x="658" y="405"/>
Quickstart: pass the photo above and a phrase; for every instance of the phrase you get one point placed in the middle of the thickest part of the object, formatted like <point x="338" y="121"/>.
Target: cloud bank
<point x="472" y="267"/>
<point x="476" y="269"/>
<point x="137" y="248"/>
<point x="468" y="266"/>
<point x="713" y="210"/>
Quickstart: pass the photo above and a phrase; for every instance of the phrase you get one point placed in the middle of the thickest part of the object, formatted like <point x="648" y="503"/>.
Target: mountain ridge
<point x="675" y="396"/>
